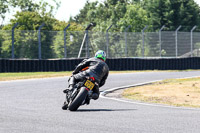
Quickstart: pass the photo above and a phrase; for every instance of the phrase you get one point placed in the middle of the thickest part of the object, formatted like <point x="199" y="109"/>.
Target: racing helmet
<point x="101" y="55"/>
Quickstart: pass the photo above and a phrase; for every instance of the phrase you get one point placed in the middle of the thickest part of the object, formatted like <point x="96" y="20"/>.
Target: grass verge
<point x="31" y="75"/>
<point x="176" y="92"/>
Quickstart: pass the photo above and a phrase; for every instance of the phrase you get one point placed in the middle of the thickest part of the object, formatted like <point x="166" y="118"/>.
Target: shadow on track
<point x="103" y="110"/>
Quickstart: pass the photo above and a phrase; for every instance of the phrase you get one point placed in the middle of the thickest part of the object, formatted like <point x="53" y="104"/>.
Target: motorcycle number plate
<point x="89" y="84"/>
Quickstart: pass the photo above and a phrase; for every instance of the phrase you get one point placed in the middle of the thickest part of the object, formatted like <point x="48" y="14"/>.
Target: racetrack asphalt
<point x="34" y="106"/>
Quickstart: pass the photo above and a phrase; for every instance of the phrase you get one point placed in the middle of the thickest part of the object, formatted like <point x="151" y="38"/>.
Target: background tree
<point x="26" y="5"/>
<point x="119" y="13"/>
<point x="172" y="14"/>
<point x="189" y="15"/>
<point x="26" y="34"/>
<point x="159" y="13"/>
<point x="74" y="38"/>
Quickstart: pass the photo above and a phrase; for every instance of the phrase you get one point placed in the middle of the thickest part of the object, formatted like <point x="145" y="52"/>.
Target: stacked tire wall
<point x="117" y="64"/>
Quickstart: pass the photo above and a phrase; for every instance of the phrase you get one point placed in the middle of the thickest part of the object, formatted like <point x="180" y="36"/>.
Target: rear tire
<point x="78" y="100"/>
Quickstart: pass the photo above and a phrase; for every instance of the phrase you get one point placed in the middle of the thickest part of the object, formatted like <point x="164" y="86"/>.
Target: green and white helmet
<point x="101" y="54"/>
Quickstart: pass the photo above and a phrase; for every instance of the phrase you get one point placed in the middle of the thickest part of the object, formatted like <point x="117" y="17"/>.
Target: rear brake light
<point x="92" y="78"/>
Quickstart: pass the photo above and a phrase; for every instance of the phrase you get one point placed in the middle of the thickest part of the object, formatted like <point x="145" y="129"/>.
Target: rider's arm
<point x="103" y="80"/>
<point x="80" y="66"/>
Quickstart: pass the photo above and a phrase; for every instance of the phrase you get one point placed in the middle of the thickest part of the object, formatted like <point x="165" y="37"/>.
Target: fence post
<point x="79" y="54"/>
<point x="126" y="48"/>
<point x="160" y="39"/>
<point x="107" y="39"/>
<point x="65" y="42"/>
<point x="89" y="27"/>
<point x="39" y="41"/>
<point x="13" y="40"/>
<point x="176" y="38"/>
<point x="192" y="39"/>
<point x="86" y="44"/>
<point x="143" y="39"/>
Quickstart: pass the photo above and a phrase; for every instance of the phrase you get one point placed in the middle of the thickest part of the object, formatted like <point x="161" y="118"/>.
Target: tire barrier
<point x="117" y="64"/>
<point x="154" y="64"/>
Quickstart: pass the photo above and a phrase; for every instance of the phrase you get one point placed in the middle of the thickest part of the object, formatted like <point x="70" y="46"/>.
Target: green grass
<point x="30" y="75"/>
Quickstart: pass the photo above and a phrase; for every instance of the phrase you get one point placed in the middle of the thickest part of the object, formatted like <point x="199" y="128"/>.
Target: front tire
<point x="78" y="100"/>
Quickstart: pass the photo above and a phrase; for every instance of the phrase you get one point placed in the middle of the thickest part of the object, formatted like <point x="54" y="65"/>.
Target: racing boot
<point x="71" y="85"/>
<point x="95" y="96"/>
<point x="89" y="97"/>
<point x="65" y="106"/>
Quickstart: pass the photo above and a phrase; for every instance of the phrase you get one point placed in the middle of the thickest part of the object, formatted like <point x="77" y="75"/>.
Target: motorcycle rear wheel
<point x="76" y="103"/>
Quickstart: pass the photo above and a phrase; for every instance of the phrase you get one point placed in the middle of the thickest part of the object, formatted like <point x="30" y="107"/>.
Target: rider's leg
<point x="71" y="82"/>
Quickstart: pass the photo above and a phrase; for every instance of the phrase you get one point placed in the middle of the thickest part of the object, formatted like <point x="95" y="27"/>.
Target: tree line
<point x="118" y="13"/>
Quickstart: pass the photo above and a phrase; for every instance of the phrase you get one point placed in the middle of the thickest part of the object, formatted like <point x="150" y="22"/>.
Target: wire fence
<point x="57" y="44"/>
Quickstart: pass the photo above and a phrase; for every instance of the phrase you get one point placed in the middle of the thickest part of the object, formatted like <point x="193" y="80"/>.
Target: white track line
<point x="103" y="95"/>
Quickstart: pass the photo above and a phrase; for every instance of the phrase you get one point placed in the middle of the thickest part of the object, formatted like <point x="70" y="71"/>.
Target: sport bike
<point x="80" y="95"/>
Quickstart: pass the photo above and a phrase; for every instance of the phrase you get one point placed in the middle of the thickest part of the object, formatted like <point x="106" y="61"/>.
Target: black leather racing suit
<point x="96" y="68"/>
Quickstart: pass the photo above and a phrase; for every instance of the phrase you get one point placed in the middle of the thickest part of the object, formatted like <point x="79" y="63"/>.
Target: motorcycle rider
<point x="92" y="67"/>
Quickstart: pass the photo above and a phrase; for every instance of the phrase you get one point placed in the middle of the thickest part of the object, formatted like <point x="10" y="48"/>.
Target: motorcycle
<point x="81" y="94"/>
